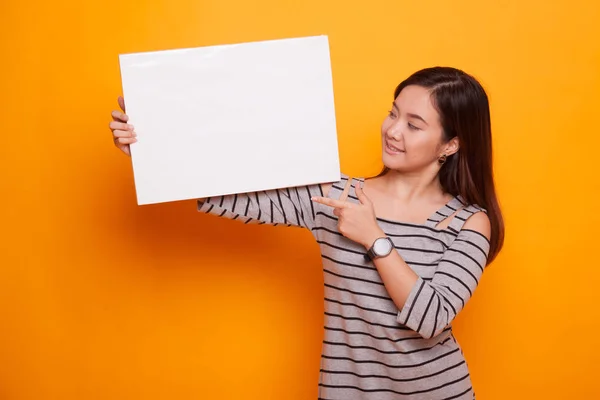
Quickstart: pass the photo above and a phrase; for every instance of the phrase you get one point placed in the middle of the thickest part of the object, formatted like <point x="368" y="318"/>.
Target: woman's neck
<point x="410" y="187"/>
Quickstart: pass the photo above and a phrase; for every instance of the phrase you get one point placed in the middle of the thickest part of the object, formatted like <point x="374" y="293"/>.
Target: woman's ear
<point x="452" y="146"/>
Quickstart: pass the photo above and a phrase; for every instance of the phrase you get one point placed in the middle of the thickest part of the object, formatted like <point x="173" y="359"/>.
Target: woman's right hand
<point x="123" y="133"/>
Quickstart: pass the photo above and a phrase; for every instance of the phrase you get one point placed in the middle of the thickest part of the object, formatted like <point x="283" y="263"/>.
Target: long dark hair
<point x="464" y="111"/>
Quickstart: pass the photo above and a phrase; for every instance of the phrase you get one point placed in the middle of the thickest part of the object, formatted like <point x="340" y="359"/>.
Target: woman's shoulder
<point x="477" y="219"/>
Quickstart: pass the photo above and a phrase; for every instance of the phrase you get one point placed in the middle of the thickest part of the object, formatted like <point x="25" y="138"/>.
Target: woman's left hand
<point x="357" y="222"/>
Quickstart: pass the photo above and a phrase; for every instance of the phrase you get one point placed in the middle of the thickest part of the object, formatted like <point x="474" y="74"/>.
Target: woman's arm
<point x="289" y="207"/>
<point x="428" y="307"/>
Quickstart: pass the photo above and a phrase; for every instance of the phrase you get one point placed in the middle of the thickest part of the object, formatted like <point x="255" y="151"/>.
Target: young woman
<point x="402" y="252"/>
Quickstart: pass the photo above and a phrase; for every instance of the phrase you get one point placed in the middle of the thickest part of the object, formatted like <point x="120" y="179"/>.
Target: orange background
<point x="102" y="299"/>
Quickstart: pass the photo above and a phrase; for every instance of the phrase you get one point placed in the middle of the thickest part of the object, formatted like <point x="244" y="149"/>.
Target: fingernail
<point x="130" y="127"/>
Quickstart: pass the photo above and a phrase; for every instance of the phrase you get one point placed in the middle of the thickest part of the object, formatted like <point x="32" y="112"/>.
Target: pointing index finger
<point x="330" y="202"/>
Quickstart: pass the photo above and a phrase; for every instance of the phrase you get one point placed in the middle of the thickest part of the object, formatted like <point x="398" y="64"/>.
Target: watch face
<point x="382" y="246"/>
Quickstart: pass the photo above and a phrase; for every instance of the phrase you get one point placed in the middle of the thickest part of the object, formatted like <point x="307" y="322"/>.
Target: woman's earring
<point x="442" y="159"/>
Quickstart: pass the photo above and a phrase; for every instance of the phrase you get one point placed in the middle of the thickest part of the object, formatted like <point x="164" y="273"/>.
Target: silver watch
<point x="382" y="247"/>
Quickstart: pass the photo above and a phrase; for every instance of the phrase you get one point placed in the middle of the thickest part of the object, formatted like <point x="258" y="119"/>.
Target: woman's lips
<point x="391" y="149"/>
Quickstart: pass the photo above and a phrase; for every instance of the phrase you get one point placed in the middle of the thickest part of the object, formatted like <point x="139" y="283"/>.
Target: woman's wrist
<point x="372" y="237"/>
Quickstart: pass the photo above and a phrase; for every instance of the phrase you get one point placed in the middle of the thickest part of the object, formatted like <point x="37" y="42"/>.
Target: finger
<point x="344" y="195"/>
<point x="122" y="126"/>
<point x="124" y="134"/>
<point x="119" y="116"/>
<point x="337" y="212"/>
<point x="124" y="140"/>
<point x="121" y="102"/>
<point x="362" y="197"/>
<point x="330" y="202"/>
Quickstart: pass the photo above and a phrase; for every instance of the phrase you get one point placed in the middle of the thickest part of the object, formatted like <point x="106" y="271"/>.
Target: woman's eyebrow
<point x="416" y="116"/>
<point x="411" y="115"/>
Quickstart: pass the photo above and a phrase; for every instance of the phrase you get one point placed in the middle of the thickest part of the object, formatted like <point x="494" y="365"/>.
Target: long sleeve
<point x="289" y="206"/>
<point x="433" y="304"/>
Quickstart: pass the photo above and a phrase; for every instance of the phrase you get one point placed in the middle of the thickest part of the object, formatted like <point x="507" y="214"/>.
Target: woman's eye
<point x="411" y="126"/>
<point x="391" y="114"/>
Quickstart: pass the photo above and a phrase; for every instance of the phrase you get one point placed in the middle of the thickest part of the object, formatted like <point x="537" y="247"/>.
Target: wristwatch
<point x="382" y="247"/>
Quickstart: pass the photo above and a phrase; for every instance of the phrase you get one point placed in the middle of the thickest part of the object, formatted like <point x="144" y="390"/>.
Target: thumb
<point x="362" y="197"/>
<point x="121" y="102"/>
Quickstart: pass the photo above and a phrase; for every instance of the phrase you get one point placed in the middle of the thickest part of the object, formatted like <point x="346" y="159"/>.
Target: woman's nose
<point x="394" y="132"/>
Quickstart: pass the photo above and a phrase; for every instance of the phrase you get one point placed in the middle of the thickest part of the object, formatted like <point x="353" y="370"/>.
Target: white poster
<point x="231" y="118"/>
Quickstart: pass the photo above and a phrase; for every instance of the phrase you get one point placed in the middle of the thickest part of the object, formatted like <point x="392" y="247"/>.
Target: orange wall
<point x="102" y="299"/>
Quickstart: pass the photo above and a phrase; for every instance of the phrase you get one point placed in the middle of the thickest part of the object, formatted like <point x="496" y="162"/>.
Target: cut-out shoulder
<point x="445" y="223"/>
<point x="480" y="223"/>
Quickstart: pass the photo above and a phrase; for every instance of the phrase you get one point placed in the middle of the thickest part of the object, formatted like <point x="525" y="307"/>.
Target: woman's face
<point x="412" y="134"/>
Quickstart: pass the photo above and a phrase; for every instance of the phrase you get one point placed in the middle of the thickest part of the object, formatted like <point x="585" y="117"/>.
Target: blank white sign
<point x="231" y="119"/>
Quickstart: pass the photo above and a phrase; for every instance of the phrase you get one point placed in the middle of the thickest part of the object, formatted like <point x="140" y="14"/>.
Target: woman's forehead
<point x="416" y="100"/>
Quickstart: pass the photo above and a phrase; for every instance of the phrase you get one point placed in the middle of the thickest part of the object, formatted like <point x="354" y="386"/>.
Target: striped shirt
<point x="371" y="349"/>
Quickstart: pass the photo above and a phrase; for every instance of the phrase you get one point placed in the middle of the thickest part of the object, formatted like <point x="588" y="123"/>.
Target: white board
<point x="231" y="118"/>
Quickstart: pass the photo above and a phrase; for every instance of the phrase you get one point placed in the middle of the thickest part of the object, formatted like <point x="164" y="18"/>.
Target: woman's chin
<point x="391" y="162"/>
